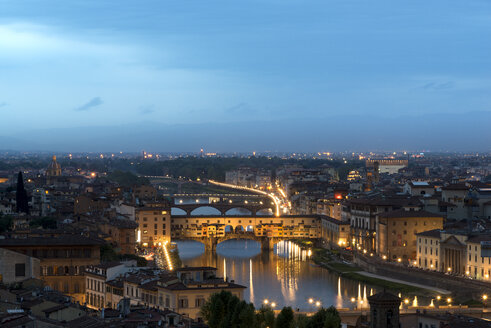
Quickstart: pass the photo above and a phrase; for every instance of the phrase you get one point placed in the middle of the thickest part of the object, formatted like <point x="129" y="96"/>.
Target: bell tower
<point x="384" y="310"/>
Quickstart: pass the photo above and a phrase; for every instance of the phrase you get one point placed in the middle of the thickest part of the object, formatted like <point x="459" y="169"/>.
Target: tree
<point x="285" y="319"/>
<point x="333" y="320"/>
<point x="21" y="196"/>
<point x="325" y="318"/>
<point x="265" y="317"/>
<point x="224" y="310"/>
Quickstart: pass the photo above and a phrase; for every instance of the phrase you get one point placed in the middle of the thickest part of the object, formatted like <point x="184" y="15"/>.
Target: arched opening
<point x="177" y="211"/>
<point x="239" y="229"/>
<point x="265" y="212"/>
<point x="229" y="229"/>
<point x="250" y="228"/>
<point x="205" y="210"/>
<point x="238" y="211"/>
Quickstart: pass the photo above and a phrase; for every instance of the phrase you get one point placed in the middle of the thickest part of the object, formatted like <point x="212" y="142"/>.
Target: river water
<point x="284" y="276"/>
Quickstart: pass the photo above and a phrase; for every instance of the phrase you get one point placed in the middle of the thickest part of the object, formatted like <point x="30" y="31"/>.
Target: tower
<point x="384" y="310"/>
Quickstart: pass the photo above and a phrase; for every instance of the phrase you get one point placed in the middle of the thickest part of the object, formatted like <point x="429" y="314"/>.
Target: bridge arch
<point x="265" y="212"/>
<point x="202" y="210"/>
<point x="177" y="211"/>
<point x="239" y="229"/>
<point x="244" y="211"/>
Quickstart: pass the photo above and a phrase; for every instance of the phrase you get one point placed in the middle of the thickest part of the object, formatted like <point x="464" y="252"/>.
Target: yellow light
<point x="311" y="300"/>
<point x="449" y="269"/>
<point x="399" y="260"/>
<point x="353" y="300"/>
<point x="449" y="300"/>
<point x="485" y="297"/>
<point x="265" y="301"/>
<point x="438" y="297"/>
<point x="273" y="304"/>
<point x="467" y="272"/>
<point x="364" y="251"/>
<point x="384" y="257"/>
<point x="406" y="301"/>
<point x="486" y="276"/>
<point x="414" y="262"/>
<point x="431" y="265"/>
<point x="92" y="174"/>
<point x="317" y="303"/>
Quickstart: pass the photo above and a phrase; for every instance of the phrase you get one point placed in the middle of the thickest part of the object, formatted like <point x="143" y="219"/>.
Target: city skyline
<point x="191" y="68"/>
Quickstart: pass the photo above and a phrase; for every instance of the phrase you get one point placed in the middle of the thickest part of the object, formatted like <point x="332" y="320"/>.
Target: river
<point x="284" y="276"/>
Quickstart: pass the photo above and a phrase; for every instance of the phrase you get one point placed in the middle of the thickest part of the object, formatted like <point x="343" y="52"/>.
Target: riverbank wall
<point x="461" y="288"/>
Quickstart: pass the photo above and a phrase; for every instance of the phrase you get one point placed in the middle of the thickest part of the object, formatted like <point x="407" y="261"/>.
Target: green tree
<point x="224" y="310"/>
<point x="333" y="320"/>
<point x="325" y="318"/>
<point x="21" y="195"/>
<point x="5" y="222"/>
<point x="265" y="317"/>
<point x="44" y="222"/>
<point x="285" y="319"/>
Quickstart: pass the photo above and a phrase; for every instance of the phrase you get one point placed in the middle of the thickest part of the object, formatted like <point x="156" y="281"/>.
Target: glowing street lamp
<point x="318" y="304"/>
<point x="273" y="305"/>
<point x="266" y="301"/>
<point x="311" y="300"/>
<point x="438" y="297"/>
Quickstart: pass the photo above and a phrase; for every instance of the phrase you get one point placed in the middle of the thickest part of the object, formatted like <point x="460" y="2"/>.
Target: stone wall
<point x="460" y="287"/>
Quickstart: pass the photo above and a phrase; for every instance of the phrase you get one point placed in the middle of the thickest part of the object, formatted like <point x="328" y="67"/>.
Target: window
<point x="183" y="303"/>
<point x="20" y="269"/>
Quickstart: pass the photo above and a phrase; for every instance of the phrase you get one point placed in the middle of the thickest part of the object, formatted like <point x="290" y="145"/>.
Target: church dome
<point x="54" y="168"/>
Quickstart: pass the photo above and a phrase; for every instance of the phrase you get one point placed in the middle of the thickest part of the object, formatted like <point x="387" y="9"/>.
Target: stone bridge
<point x="224" y="206"/>
<point x="210" y="242"/>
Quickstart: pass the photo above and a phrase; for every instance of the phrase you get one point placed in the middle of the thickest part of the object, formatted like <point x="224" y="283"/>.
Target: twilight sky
<point x="80" y="63"/>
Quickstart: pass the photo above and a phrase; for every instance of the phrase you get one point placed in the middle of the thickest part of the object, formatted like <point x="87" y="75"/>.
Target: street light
<point x="266" y="301"/>
<point x="317" y="303"/>
<point x="273" y="305"/>
<point x="311" y="300"/>
<point x="449" y="300"/>
<point x="438" y="297"/>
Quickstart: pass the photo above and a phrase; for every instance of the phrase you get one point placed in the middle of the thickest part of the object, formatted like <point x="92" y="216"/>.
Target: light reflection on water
<point x="283" y="275"/>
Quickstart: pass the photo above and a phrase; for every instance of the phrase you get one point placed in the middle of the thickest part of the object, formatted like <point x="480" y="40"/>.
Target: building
<point x="154" y="225"/>
<point x="195" y="286"/>
<point x="397" y="230"/>
<point x="335" y="232"/>
<point x="384" y="310"/>
<point x="428" y="249"/>
<point x="96" y="278"/>
<point x="122" y="234"/>
<point x="389" y="166"/>
<point x="62" y="259"/>
<point x="54" y="168"/>
<point x="362" y="214"/>
<point x="455" y="252"/>
<point x="16" y="267"/>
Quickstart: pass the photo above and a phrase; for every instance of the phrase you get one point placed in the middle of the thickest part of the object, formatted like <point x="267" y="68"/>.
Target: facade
<point x="96" y="278"/>
<point x="154" y="225"/>
<point x="397" y="230"/>
<point x="389" y="166"/>
<point x="428" y="249"/>
<point x="62" y="259"/>
<point x="194" y="287"/>
<point x="122" y="234"/>
<point x="16" y="267"/>
<point x="362" y="214"/>
<point x="335" y="232"/>
<point x="384" y="310"/>
<point x="458" y="253"/>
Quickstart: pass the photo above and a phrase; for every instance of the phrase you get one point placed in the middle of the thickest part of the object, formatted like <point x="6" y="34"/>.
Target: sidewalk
<point x="438" y="290"/>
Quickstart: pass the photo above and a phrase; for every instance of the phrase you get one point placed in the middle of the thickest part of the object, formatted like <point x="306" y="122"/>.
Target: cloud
<point x="148" y="109"/>
<point x="94" y="102"/>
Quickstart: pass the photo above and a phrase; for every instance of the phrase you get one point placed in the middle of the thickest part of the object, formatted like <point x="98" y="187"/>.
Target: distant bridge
<point x="211" y="243"/>
<point x="224" y="203"/>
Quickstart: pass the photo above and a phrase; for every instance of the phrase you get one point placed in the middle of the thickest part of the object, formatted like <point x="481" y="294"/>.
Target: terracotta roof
<point x="384" y="296"/>
<point x="409" y="214"/>
<point x="51" y="241"/>
<point x="435" y="233"/>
